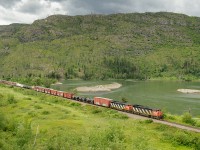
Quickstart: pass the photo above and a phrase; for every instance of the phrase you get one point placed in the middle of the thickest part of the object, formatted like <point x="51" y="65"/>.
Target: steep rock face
<point x="120" y="45"/>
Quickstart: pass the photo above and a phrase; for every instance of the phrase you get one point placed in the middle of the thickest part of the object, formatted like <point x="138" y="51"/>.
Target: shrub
<point x="11" y="125"/>
<point x="183" y="138"/>
<point x="148" y="121"/>
<point x="124" y="100"/>
<point x="74" y="104"/>
<point x="187" y="118"/>
<point x="27" y="98"/>
<point x="32" y="114"/>
<point x="3" y="122"/>
<point x="24" y="134"/>
<point x="1" y="96"/>
<point x="96" y="111"/>
<point x="119" y="116"/>
<point x="197" y="124"/>
<point x="37" y="107"/>
<point x="161" y="127"/>
<point x="11" y="99"/>
<point x="45" y="112"/>
<point x="197" y="143"/>
<point x="171" y="118"/>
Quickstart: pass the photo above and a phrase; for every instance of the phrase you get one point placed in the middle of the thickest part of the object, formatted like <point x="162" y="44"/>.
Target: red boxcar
<point x="53" y="92"/>
<point x="42" y="89"/>
<point x="39" y="89"/>
<point x="102" y="101"/>
<point x="47" y="91"/>
<point x="68" y="95"/>
<point x="60" y="93"/>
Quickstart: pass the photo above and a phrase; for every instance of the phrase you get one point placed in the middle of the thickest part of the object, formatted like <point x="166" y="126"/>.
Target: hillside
<point x="139" y="46"/>
<point x="31" y="120"/>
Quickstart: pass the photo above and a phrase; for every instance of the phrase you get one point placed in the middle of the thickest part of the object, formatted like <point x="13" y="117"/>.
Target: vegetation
<point x="186" y="119"/>
<point x="39" y="121"/>
<point x="139" y="46"/>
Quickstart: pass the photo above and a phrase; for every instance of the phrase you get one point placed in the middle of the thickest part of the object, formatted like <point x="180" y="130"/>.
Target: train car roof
<point x="117" y="102"/>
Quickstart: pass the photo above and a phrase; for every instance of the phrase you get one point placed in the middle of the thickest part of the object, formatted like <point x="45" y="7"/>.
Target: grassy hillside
<point x="140" y="46"/>
<point x="31" y="120"/>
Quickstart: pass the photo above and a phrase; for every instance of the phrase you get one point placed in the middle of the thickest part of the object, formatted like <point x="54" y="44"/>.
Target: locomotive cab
<point x="128" y="108"/>
<point x="157" y="113"/>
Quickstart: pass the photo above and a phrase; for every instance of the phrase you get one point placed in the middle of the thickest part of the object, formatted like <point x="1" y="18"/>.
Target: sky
<point x="26" y="11"/>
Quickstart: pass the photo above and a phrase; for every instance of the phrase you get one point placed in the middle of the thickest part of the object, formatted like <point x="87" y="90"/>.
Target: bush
<point x="24" y="134"/>
<point x="196" y="143"/>
<point x="148" y="121"/>
<point x="197" y="124"/>
<point x="74" y="104"/>
<point x="96" y="111"/>
<point x="37" y="107"/>
<point x="161" y="127"/>
<point x="45" y="112"/>
<point x="27" y="98"/>
<point x="11" y="99"/>
<point x="1" y="96"/>
<point x="3" y="122"/>
<point x="183" y="138"/>
<point x="187" y="118"/>
<point x="32" y="114"/>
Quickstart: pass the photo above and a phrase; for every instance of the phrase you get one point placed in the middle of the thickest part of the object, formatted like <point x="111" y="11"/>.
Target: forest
<point x="138" y="46"/>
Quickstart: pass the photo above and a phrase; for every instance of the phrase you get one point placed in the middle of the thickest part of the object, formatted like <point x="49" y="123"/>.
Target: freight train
<point x="99" y="101"/>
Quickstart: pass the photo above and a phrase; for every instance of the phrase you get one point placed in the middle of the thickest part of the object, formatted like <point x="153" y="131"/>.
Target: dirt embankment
<point x="99" y="88"/>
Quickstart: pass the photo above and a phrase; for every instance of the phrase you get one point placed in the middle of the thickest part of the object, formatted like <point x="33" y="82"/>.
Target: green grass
<point x="64" y="124"/>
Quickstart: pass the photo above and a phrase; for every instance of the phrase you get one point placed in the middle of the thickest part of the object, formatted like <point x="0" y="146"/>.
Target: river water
<point x="155" y="94"/>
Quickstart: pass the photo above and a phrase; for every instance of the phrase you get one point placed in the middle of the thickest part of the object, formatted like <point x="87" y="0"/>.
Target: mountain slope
<point x="133" y="45"/>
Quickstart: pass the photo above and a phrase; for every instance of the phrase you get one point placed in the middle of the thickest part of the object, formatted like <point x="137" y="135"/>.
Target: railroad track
<point x="180" y="126"/>
<point x="134" y="116"/>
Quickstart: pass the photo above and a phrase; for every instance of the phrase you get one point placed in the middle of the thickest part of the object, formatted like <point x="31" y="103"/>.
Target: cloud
<point x="31" y="7"/>
<point x="77" y="7"/>
<point x="27" y="10"/>
<point x="8" y="3"/>
<point x="82" y="7"/>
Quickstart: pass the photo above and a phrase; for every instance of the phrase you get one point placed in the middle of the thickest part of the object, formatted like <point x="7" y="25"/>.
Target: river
<point x="155" y="94"/>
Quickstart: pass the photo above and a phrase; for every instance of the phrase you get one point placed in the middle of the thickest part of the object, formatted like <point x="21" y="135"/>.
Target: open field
<point x="31" y="120"/>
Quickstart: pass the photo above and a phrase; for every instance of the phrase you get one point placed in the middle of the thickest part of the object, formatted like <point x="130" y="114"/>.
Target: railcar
<point x="38" y="88"/>
<point x="8" y="82"/>
<point x="68" y="95"/>
<point x="101" y="101"/>
<point x="121" y="106"/>
<point x="146" y="111"/>
<point x="53" y="92"/>
<point x="89" y="100"/>
<point x="60" y="93"/>
<point x="47" y="90"/>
